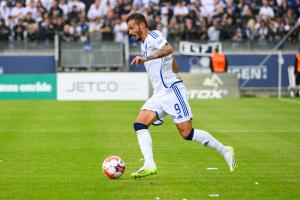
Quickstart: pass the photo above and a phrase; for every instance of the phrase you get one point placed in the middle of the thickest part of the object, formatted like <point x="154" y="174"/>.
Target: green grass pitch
<point x="54" y="150"/>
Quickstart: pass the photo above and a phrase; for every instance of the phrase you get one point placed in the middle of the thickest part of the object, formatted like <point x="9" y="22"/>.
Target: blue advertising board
<point x="27" y="64"/>
<point x="248" y="68"/>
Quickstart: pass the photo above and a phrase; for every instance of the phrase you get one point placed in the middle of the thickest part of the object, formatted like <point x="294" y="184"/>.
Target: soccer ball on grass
<point x="113" y="167"/>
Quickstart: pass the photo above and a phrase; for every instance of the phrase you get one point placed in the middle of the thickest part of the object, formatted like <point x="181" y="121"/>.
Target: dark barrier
<point x="247" y="68"/>
<point x="27" y="64"/>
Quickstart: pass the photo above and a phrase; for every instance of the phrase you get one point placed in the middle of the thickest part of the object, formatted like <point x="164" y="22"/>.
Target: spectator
<point x="246" y="30"/>
<point x="261" y="30"/>
<point x="64" y="6"/>
<point x="46" y="29"/>
<point x="180" y="10"/>
<point x="203" y="28"/>
<point x="30" y="8"/>
<point x="174" y="30"/>
<point x="219" y="9"/>
<point x="83" y="29"/>
<point x="40" y="17"/>
<point x="11" y="22"/>
<point x="213" y="31"/>
<point x="266" y="12"/>
<point x="47" y="4"/>
<point x="207" y="8"/>
<point x="228" y="28"/>
<point x="58" y="24"/>
<point x="4" y="31"/>
<point x="246" y="13"/>
<point x="73" y="30"/>
<point x="231" y="8"/>
<point x="31" y="27"/>
<point x="164" y="21"/>
<point x="238" y="36"/>
<point x="189" y="32"/>
<point x="124" y="7"/>
<point x="95" y="11"/>
<point x="55" y="10"/>
<point x="18" y="31"/>
<point x="120" y="29"/>
<point x="67" y="37"/>
<point x="4" y="10"/>
<point x="73" y="15"/>
<point x="95" y="25"/>
<point x="80" y="6"/>
<point x="40" y="8"/>
<point x="17" y="11"/>
<point x="106" y="30"/>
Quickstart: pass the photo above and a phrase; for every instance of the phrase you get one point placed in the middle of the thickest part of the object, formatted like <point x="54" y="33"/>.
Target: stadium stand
<point x="213" y="20"/>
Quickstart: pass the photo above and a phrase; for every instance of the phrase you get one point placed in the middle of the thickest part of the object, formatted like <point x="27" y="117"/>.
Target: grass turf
<point x="54" y="150"/>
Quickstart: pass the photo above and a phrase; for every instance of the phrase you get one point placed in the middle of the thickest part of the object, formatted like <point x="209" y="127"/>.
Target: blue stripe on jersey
<point x="161" y="76"/>
<point x="181" y="101"/>
<point x="184" y="105"/>
<point x="153" y="34"/>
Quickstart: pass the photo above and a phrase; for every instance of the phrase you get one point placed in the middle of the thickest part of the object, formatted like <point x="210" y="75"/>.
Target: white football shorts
<point x="174" y="103"/>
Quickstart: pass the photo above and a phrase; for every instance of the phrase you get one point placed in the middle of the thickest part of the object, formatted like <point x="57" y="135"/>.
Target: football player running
<point x="169" y="97"/>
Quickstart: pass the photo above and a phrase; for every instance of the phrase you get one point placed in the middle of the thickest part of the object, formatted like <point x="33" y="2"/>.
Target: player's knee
<point x="188" y="135"/>
<point x="139" y="126"/>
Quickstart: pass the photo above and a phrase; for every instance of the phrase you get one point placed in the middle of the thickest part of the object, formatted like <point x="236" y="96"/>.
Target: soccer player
<point x="169" y="97"/>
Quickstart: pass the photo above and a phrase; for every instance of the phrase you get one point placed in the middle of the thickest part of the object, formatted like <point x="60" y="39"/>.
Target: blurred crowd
<point x="204" y="20"/>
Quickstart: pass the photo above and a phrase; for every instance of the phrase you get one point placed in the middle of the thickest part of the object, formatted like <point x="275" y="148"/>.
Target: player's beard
<point x="139" y="35"/>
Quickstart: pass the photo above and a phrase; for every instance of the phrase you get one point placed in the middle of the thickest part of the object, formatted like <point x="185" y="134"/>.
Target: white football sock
<point x="208" y="140"/>
<point x="145" y="142"/>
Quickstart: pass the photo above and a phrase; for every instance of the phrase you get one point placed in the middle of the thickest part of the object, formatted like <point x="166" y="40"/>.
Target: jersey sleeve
<point x="157" y="40"/>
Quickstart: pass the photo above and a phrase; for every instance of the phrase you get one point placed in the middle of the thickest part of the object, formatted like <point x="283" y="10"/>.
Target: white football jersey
<point x="159" y="70"/>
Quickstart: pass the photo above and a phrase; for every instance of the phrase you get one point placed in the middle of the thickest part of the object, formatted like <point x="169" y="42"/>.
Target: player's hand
<point x="138" y="60"/>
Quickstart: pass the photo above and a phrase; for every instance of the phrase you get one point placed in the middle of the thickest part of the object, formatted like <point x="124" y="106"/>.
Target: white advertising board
<point x="102" y="86"/>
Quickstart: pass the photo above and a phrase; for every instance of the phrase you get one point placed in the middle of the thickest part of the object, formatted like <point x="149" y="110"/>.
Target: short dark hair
<point x="137" y="17"/>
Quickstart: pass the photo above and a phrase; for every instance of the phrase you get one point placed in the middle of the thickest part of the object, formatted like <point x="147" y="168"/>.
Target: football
<point x="113" y="167"/>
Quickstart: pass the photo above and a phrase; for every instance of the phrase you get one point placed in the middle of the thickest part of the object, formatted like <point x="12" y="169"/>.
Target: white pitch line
<point x="131" y="130"/>
<point x="290" y="101"/>
<point x="213" y="195"/>
<point x="211" y="168"/>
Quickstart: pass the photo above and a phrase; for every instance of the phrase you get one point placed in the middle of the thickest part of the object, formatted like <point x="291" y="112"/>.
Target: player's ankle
<point x="224" y="150"/>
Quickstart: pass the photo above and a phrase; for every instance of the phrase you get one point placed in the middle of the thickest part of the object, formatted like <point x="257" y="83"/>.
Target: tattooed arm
<point x="175" y="66"/>
<point x="164" y="51"/>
